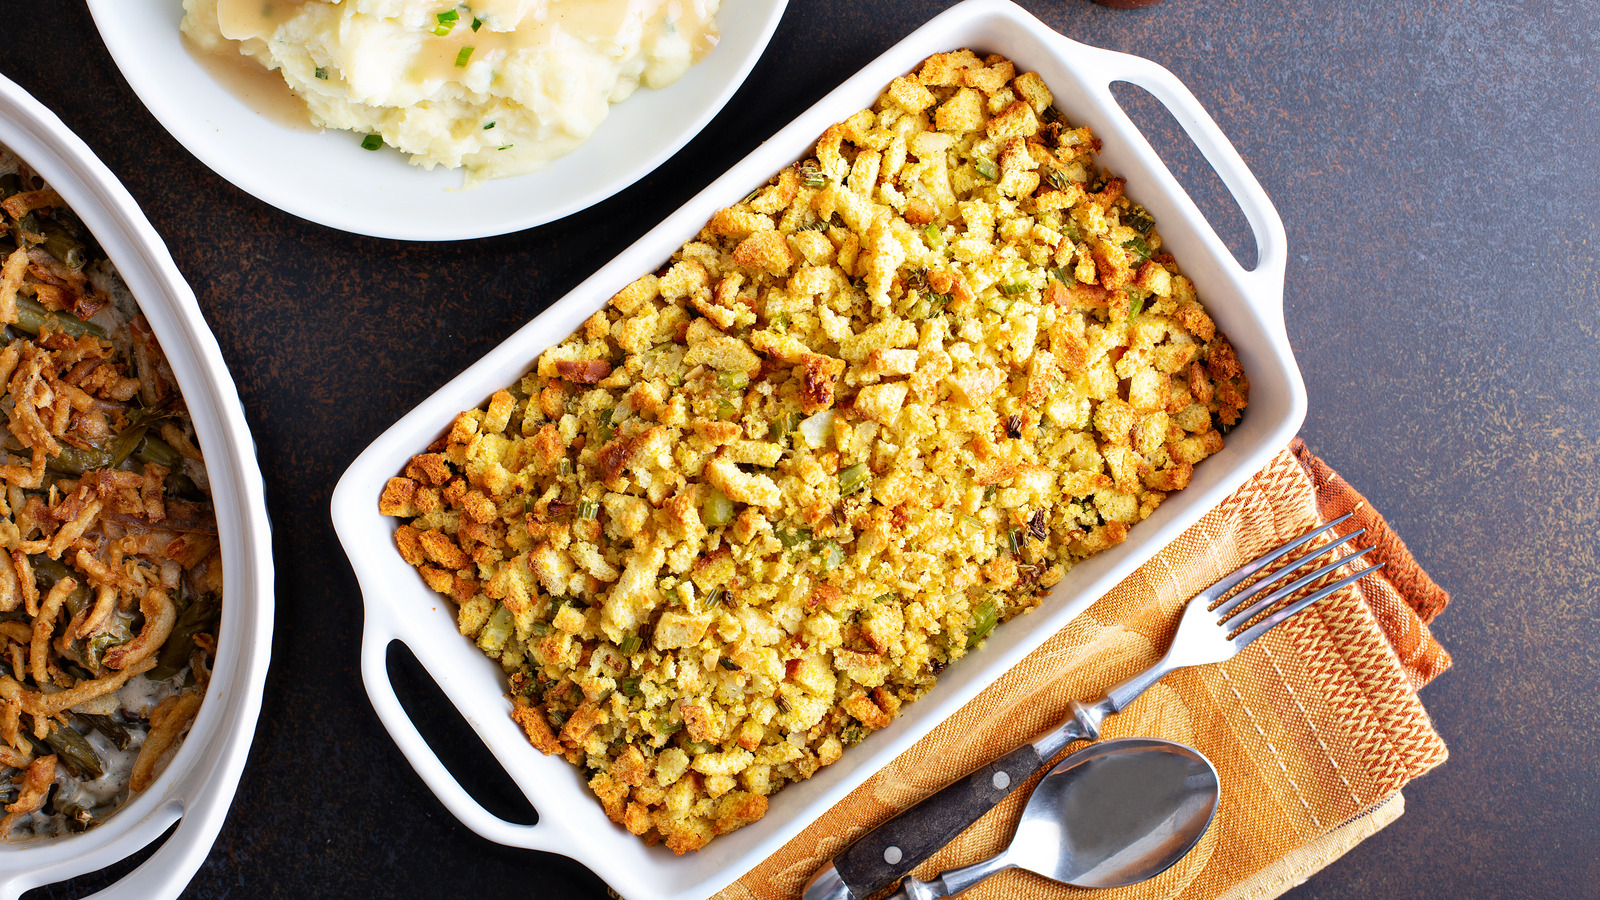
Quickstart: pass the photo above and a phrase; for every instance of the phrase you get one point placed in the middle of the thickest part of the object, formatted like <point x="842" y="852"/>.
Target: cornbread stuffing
<point x="756" y="504"/>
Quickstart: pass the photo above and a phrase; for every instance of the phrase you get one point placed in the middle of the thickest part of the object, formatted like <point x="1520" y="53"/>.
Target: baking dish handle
<point x="1266" y="279"/>
<point x="375" y="640"/>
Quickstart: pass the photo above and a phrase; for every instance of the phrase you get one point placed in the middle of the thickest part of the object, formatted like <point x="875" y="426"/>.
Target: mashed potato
<point x="497" y="87"/>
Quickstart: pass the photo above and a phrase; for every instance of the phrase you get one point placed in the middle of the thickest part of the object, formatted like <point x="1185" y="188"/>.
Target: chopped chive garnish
<point x="505" y="147"/>
<point x="463" y="56"/>
<point x="476" y="23"/>
<point x="488" y="126"/>
<point x="448" y="15"/>
<point x="322" y="73"/>
<point x="372" y="142"/>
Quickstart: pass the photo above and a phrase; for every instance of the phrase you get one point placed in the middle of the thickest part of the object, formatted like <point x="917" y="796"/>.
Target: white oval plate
<point x="327" y="178"/>
<point x="197" y="786"/>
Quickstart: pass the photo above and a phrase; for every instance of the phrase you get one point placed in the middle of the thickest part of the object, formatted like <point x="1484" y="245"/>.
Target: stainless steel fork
<point x="1209" y="632"/>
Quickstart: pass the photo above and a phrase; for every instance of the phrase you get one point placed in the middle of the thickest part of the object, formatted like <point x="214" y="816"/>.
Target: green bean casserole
<point x="111" y="581"/>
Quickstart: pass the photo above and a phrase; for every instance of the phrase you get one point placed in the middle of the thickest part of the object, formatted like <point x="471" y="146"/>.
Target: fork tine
<point x="1225" y="611"/>
<point x="1250" y="568"/>
<point x="1234" y="620"/>
<point x="1262" y="627"/>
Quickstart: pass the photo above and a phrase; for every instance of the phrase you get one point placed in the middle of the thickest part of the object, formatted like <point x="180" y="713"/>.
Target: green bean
<point x="180" y="643"/>
<point x="984" y="619"/>
<point x="77" y="818"/>
<point x="716" y="510"/>
<point x="75" y="753"/>
<point x="124" y="445"/>
<point x="10" y="183"/>
<point x="183" y="487"/>
<point x="111" y="728"/>
<point x="64" y="247"/>
<point x="31" y="317"/>
<point x="95" y="648"/>
<point x="154" y="450"/>
<point x="78" y="460"/>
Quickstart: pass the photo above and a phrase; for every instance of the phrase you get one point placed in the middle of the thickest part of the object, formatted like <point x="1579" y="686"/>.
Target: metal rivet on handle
<point x="892" y="855"/>
<point x="1000" y="781"/>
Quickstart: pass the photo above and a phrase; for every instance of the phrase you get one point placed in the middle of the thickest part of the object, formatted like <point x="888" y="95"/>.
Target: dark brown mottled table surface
<point x="1437" y="165"/>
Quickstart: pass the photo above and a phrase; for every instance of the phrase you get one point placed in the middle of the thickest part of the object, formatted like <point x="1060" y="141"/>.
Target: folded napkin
<point x="1314" y="728"/>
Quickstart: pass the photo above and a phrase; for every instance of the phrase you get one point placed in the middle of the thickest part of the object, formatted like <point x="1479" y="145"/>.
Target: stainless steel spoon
<point x="1111" y="814"/>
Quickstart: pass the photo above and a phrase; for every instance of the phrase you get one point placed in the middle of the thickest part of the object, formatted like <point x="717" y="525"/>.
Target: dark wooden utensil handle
<point x="889" y="852"/>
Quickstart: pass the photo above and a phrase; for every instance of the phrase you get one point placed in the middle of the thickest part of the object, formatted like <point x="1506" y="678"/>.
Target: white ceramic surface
<point x="327" y="178"/>
<point x="197" y="785"/>
<point x="1246" y="304"/>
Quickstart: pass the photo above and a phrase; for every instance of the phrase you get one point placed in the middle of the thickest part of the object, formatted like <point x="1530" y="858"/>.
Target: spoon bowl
<point x="1114" y="813"/>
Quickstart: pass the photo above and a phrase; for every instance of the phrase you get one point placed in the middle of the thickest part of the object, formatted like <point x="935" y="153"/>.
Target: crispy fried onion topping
<point x="168" y="722"/>
<point x="35" y="787"/>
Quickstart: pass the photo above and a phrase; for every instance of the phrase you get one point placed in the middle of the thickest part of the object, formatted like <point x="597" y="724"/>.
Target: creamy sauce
<point x="261" y="90"/>
<point x="538" y="73"/>
<point x="244" y="19"/>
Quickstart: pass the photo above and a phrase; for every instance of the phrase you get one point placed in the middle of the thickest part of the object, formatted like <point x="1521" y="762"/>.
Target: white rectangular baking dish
<point x="1246" y="304"/>
<point x="196" y="788"/>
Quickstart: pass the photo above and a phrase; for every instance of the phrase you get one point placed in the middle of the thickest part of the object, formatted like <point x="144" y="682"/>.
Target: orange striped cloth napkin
<point x="1314" y="729"/>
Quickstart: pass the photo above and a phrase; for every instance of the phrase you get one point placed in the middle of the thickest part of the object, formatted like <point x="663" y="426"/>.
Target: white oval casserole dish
<point x="1246" y="304"/>
<point x="327" y="178"/>
<point x="197" y="786"/>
